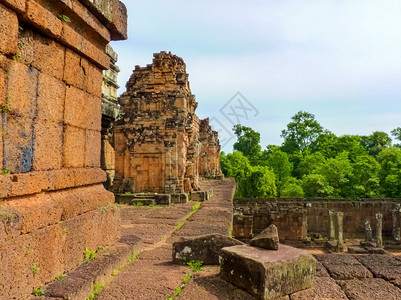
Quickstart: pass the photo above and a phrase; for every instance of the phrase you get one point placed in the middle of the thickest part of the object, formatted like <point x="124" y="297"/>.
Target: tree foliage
<point x="314" y="162"/>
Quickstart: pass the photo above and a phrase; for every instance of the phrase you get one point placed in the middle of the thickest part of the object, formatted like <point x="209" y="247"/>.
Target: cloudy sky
<point x="337" y="59"/>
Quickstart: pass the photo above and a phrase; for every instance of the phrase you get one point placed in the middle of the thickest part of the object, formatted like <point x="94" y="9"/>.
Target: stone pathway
<point x="153" y="230"/>
<point x="153" y="276"/>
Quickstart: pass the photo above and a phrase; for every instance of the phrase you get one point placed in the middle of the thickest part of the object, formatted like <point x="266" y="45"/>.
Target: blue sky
<point x="337" y="59"/>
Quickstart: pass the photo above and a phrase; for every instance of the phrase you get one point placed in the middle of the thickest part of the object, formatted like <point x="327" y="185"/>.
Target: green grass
<point x="195" y="208"/>
<point x="195" y="265"/>
<point x="39" y="291"/>
<point x="60" y="277"/>
<point x="89" y="254"/>
<point x="97" y="288"/>
<point x="181" y="287"/>
<point x="179" y="225"/>
<point x="133" y="257"/>
<point x="34" y="268"/>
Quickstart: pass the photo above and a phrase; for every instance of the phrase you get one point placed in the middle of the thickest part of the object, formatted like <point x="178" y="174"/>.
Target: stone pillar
<point x="396" y="224"/>
<point x="379" y="229"/>
<point x="368" y="232"/>
<point x="339" y="231"/>
<point x="332" y="232"/>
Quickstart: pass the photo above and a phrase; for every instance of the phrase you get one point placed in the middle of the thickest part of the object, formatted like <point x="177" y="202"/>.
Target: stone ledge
<point x="16" y="185"/>
<point x="78" y="284"/>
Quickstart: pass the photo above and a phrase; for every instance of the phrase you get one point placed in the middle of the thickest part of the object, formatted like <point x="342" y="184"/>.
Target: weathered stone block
<point x="17" y="5"/>
<point x="268" y="274"/>
<point x="205" y="248"/>
<point x="267" y="239"/>
<point x="21" y="89"/>
<point x="18" y="148"/>
<point x="51" y="96"/>
<point x="179" y="198"/>
<point x="8" y="31"/>
<point x="92" y="151"/>
<point x="49" y="56"/>
<point x="34" y="212"/>
<point x="82" y="109"/>
<point x="163" y="199"/>
<point x="42" y="18"/>
<point x="48" y="145"/>
<point x="74" y="152"/>
<point x="86" y="176"/>
<point x="198" y="196"/>
<point x="29" y="183"/>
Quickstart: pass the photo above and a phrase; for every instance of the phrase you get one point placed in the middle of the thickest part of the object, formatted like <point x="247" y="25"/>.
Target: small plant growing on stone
<point x="60" y="277"/>
<point x="139" y="203"/>
<point x="179" y="225"/>
<point x="97" y="288"/>
<point x="39" y="291"/>
<point x="133" y="257"/>
<point x="127" y="193"/>
<point x="5" y="108"/>
<point x="64" y="18"/>
<point x="89" y="254"/>
<point x="5" y="171"/>
<point x="34" y="269"/>
<point x="195" y="265"/>
<point x="28" y="250"/>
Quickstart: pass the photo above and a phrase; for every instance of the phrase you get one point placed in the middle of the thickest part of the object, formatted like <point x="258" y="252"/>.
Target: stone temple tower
<point x="156" y="137"/>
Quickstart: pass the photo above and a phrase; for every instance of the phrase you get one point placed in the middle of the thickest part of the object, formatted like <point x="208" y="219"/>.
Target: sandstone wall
<point x="157" y="135"/>
<point x="295" y="217"/>
<point x="53" y="204"/>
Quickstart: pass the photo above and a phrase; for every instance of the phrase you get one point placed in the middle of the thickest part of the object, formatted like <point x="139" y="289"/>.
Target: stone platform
<point x="268" y="274"/>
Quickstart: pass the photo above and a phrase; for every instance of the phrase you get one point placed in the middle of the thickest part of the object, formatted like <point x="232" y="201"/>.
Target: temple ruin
<point x="160" y="142"/>
<point x="110" y="110"/>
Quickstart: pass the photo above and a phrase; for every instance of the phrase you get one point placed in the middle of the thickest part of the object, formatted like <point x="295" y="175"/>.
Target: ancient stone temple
<point x="52" y="54"/>
<point x="209" y="159"/>
<point x="110" y="110"/>
<point x="157" y="137"/>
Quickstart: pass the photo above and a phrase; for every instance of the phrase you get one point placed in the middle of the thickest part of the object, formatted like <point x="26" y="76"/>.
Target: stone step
<point x="80" y="282"/>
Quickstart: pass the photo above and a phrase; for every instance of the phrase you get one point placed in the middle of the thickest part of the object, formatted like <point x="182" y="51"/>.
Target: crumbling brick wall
<point x="157" y="135"/>
<point x="52" y="54"/>
<point x="209" y="160"/>
<point x="297" y="217"/>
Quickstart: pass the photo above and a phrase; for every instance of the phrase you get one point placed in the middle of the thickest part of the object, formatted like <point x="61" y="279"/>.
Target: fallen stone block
<point x="199" y="196"/>
<point x="268" y="274"/>
<point x="179" y="198"/>
<point x="205" y="248"/>
<point x="267" y="239"/>
<point x="163" y="199"/>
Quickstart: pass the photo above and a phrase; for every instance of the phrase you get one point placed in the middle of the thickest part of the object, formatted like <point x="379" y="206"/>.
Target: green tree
<point x="279" y="163"/>
<point x="326" y="143"/>
<point x="396" y="133"/>
<point x="292" y="189"/>
<point x="390" y="171"/>
<point x="337" y="172"/>
<point x="316" y="185"/>
<point x="260" y="183"/>
<point x="247" y="142"/>
<point x="301" y="132"/>
<point x="376" y="142"/>
<point x="310" y="162"/>
<point x="365" y="179"/>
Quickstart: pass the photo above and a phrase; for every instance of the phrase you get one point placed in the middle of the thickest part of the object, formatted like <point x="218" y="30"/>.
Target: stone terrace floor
<point x="153" y="276"/>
